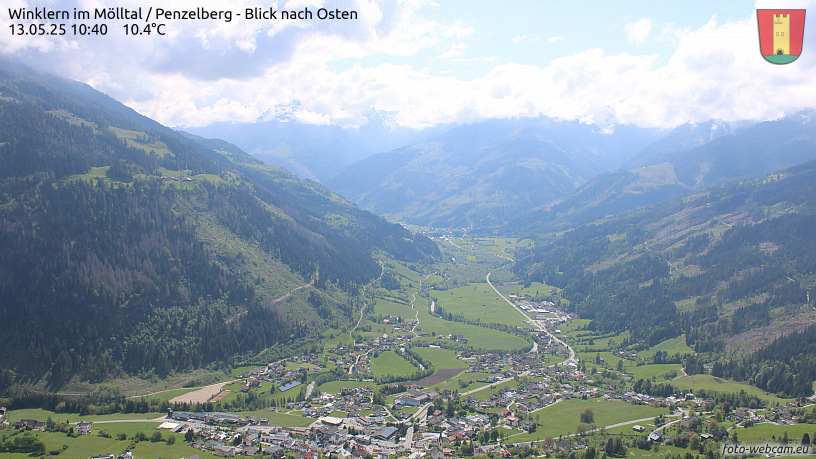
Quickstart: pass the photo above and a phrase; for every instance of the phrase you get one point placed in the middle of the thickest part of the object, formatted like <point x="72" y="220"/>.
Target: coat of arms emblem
<point x="781" y="33"/>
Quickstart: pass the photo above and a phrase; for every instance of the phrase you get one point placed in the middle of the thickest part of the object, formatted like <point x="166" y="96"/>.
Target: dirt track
<point x="201" y="395"/>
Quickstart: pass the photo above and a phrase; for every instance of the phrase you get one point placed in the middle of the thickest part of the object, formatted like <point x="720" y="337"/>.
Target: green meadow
<point x="389" y="363"/>
<point x="563" y="418"/>
<point x="479" y="301"/>
<point x="710" y="383"/>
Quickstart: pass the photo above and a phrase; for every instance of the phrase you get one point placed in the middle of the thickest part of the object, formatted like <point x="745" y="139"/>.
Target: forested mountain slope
<point x="733" y="267"/>
<point x="125" y="248"/>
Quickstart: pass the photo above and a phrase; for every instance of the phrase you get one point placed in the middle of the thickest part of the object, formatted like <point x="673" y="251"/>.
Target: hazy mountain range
<point x="513" y="173"/>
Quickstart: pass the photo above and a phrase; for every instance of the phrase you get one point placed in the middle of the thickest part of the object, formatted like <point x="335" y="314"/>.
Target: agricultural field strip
<point x="150" y="394"/>
<point x="202" y="395"/>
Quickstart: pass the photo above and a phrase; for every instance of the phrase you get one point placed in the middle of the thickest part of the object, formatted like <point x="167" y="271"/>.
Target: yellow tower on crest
<point x="781" y="37"/>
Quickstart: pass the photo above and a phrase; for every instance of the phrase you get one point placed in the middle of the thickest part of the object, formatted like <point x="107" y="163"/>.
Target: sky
<point x="421" y="63"/>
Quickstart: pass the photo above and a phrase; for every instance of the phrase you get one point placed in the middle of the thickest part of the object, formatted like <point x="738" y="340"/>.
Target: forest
<point x="786" y="366"/>
<point x="106" y="266"/>
<point x="738" y="257"/>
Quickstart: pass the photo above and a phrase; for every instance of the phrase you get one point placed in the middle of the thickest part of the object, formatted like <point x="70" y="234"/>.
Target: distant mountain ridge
<point x="482" y="174"/>
<point x="684" y="137"/>
<point x="314" y="151"/>
<point x="717" y="152"/>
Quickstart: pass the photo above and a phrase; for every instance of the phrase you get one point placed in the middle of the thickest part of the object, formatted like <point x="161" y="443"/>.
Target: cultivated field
<point x="441" y="375"/>
<point x="389" y="363"/>
<point x="201" y="395"/>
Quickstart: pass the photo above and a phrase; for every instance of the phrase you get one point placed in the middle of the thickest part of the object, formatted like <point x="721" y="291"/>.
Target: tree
<point x="467" y="448"/>
<point x="713" y="425"/>
<point x="588" y="416"/>
<point x="694" y="441"/>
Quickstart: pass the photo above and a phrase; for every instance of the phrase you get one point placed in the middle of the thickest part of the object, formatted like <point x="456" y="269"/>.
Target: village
<point x="497" y="413"/>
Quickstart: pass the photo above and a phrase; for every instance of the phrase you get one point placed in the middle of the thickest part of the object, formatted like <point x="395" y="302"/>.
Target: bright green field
<point x="167" y="394"/>
<point x="608" y="357"/>
<point x="479" y="338"/>
<point x="497" y="246"/>
<point x="392" y="308"/>
<point x="479" y="301"/>
<point x="574" y="325"/>
<point x="671" y="346"/>
<point x="41" y="415"/>
<point x="709" y="383"/>
<point x="563" y="417"/>
<point x="441" y="358"/>
<point x="100" y="172"/>
<point x="158" y="147"/>
<point x="281" y="419"/>
<point x="87" y="445"/>
<point x="648" y="371"/>
<point x="389" y="363"/>
<point x="764" y="432"/>
<point x="334" y="387"/>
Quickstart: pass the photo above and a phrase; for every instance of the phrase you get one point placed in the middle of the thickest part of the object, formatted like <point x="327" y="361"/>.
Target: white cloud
<point x="638" y="31"/>
<point x="528" y="38"/>
<point x="457" y="49"/>
<point x="555" y="39"/>
<point x="715" y="72"/>
<point x="245" y="71"/>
